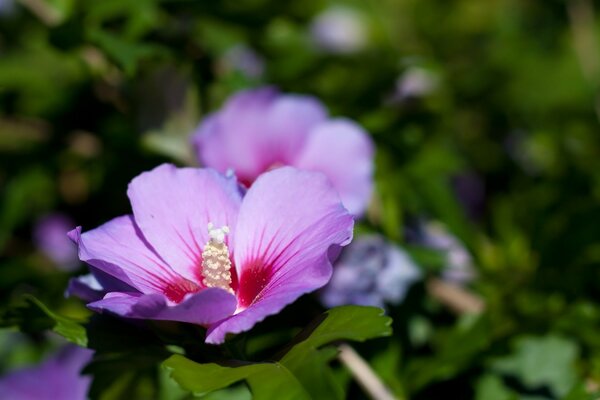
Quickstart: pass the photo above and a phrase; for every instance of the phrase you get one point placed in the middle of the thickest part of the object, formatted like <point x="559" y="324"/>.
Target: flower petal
<point x="173" y="206"/>
<point x="289" y="222"/>
<point x="57" y="377"/>
<point x="232" y="137"/>
<point x="118" y="249"/>
<point x="205" y="307"/>
<point x="255" y="130"/>
<point x="288" y="124"/>
<point x="343" y="151"/>
<point x="86" y="287"/>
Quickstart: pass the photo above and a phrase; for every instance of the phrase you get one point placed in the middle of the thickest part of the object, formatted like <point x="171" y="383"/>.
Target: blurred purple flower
<point x="258" y="130"/>
<point x="459" y="267"/>
<point x="58" y="377"/>
<point x="176" y="258"/>
<point x="415" y="82"/>
<point x="7" y="7"/>
<point x="339" y="30"/>
<point x="372" y="272"/>
<point x="50" y="237"/>
<point x="243" y="59"/>
<point x="470" y="190"/>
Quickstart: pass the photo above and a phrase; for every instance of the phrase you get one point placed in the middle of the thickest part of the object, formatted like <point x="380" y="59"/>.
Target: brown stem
<point x="363" y="374"/>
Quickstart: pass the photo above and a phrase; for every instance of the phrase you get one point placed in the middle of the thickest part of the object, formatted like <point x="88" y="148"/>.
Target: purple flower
<point x="258" y="130"/>
<point x="58" y="377"/>
<point x="243" y="59"/>
<point x="370" y="272"/>
<point x="416" y="82"/>
<point x="50" y="237"/>
<point x="195" y="251"/>
<point x="339" y="30"/>
<point x="459" y="264"/>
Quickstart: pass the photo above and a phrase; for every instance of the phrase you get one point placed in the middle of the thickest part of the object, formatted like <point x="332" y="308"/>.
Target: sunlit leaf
<point x="542" y="361"/>
<point x="34" y="316"/>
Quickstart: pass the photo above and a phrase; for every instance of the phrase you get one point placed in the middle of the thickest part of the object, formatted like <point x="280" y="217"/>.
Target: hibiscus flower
<point x="258" y="130"/>
<point x="196" y="250"/>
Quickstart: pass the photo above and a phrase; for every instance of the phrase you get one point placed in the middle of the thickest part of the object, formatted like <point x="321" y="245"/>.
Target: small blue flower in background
<point x="243" y="59"/>
<point x="459" y="267"/>
<point x="414" y="83"/>
<point x="7" y="7"/>
<point x="339" y="30"/>
<point x="372" y="272"/>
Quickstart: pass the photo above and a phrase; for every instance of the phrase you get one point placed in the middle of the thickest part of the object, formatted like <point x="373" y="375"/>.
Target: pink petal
<point x="173" y="206"/>
<point x="118" y="249"/>
<point x="343" y="151"/>
<point x="288" y="124"/>
<point x="255" y="130"/>
<point x="289" y="221"/>
<point x="232" y="138"/>
<point x="57" y="377"/>
<point x="203" y="308"/>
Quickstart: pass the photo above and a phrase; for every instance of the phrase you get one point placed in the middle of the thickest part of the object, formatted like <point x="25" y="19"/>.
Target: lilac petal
<point x="288" y="222"/>
<point x="173" y="206"/>
<point x="58" y="377"/>
<point x="86" y="287"/>
<point x="117" y="248"/>
<point x="343" y="151"/>
<point x="289" y="122"/>
<point x="205" y="307"/>
<point x="231" y="137"/>
<point x="256" y="130"/>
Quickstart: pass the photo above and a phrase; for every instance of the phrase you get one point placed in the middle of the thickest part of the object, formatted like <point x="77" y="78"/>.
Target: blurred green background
<point x="486" y="117"/>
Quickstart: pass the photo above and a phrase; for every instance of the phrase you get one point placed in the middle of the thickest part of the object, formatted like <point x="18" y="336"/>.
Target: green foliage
<point x="94" y="92"/>
<point x="547" y="361"/>
<point x="33" y="316"/>
<point x="302" y="372"/>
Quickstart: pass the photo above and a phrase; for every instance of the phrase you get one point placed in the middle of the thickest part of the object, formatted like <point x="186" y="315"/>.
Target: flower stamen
<point x="216" y="266"/>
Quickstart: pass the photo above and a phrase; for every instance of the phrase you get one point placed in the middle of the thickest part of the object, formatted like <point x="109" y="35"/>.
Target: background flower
<point x="58" y="377"/>
<point x="50" y="237"/>
<point x="258" y="130"/>
<point x="371" y="272"/>
<point x="339" y="30"/>
<point x="458" y="267"/>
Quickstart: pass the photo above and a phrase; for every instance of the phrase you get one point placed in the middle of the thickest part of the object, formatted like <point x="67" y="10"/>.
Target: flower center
<point x="216" y="266"/>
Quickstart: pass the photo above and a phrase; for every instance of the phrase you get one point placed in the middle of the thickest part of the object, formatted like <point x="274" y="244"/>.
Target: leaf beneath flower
<point x="303" y="371"/>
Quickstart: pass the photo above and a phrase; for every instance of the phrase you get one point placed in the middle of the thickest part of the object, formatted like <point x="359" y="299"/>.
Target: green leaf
<point x="454" y="351"/>
<point x="341" y="323"/>
<point x="267" y="380"/>
<point x="125" y="53"/>
<point x="34" y="316"/>
<point x="302" y="372"/>
<point x="130" y="375"/>
<point x="581" y="392"/>
<point x="491" y="387"/>
<point x="542" y="361"/>
<point x="311" y="368"/>
<point x="237" y="392"/>
<point x="357" y="323"/>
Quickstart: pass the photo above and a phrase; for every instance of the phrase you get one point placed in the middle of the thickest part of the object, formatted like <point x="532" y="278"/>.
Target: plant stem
<point x="363" y="374"/>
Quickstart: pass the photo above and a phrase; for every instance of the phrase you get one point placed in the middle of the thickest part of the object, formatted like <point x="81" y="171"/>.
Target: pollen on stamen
<point x="216" y="266"/>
